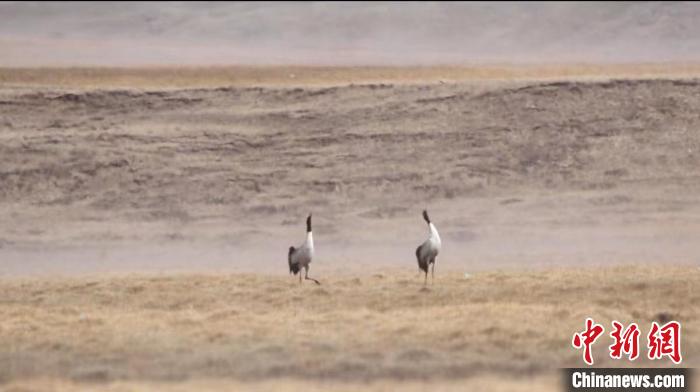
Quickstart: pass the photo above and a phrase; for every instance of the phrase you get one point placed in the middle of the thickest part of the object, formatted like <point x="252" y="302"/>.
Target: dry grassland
<point x="248" y="76"/>
<point x="382" y="331"/>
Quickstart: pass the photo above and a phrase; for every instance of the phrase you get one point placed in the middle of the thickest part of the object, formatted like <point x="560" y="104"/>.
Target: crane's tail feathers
<point x="293" y="268"/>
<point x="422" y="264"/>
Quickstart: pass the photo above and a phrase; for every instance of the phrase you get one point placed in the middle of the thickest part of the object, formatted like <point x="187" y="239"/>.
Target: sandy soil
<point x="504" y="330"/>
<point x="144" y="227"/>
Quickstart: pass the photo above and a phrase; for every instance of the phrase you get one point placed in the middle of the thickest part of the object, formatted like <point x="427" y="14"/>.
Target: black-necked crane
<point x="301" y="257"/>
<point x="428" y="251"/>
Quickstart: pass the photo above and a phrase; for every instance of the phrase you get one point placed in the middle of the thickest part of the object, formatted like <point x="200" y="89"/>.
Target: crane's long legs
<point x="425" y="283"/>
<point x="432" y="279"/>
<point x="307" y="276"/>
<point x="299" y="277"/>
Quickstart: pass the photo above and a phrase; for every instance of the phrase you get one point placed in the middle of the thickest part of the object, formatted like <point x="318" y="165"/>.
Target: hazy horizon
<point x="358" y="33"/>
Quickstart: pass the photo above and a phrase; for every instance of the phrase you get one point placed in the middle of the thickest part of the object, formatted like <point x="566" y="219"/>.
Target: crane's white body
<point x="302" y="256"/>
<point x="431" y="247"/>
<point x="428" y="250"/>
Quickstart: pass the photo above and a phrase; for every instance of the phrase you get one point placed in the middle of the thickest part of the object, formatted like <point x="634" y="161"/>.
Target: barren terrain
<point x="350" y="33"/>
<point x="145" y="218"/>
<point x="521" y="173"/>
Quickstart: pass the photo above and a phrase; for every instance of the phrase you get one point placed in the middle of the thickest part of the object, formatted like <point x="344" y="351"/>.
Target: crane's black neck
<point x="426" y="217"/>
<point x="308" y="224"/>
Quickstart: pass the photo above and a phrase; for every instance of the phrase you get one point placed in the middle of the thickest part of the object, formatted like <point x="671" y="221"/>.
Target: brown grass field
<point x="504" y="330"/>
<point x="145" y="215"/>
<point x="248" y="76"/>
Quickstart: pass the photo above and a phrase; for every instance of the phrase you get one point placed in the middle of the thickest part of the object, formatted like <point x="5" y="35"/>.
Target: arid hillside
<point x="514" y="173"/>
<point x="349" y="33"/>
